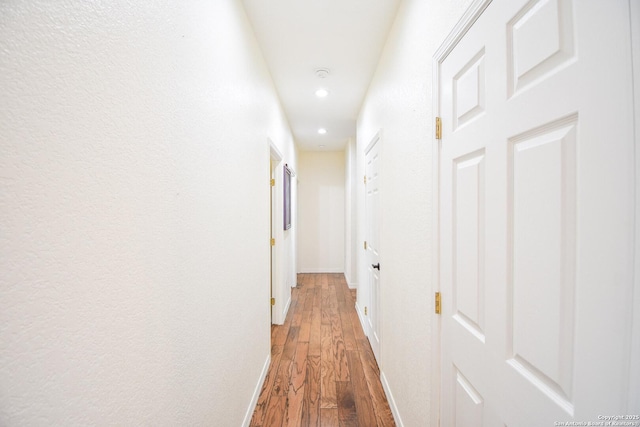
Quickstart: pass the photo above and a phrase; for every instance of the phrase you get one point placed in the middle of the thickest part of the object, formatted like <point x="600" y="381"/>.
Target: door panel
<point x="536" y="185"/>
<point x="540" y="38"/>
<point x="469" y="91"/>
<point x="543" y="194"/>
<point x="469" y="249"/>
<point x="468" y="403"/>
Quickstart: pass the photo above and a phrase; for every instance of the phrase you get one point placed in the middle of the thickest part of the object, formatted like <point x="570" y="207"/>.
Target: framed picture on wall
<point x="287" y="197"/>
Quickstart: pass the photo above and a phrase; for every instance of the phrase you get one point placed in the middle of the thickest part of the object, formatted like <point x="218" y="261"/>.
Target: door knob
<point x="376" y="266"/>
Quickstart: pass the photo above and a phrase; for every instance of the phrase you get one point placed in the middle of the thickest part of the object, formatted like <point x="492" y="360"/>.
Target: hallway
<point x="147" y="150"/>
<point x="322" y="370"/>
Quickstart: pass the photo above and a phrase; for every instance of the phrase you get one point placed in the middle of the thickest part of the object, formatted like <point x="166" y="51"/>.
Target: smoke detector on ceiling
<point x="322" y="73"/>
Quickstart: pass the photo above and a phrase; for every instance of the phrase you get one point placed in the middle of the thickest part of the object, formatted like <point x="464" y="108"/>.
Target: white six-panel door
<point x="372" y="206"/>
<point x="536" y="214"/>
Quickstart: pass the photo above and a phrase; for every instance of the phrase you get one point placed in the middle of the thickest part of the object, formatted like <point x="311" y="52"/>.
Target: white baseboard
<point x="280" y="317"/>
<point x="350" y="284"/>
<point x="286" y="309"/>
<point x="363" y="323"/>
<point x="256" y="392"/>
<point x="391" y="400"/>
<point x="321" y="270"/>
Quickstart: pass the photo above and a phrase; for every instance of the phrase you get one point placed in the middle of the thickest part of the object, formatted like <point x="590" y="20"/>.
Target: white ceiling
<point x="299" y="36"/>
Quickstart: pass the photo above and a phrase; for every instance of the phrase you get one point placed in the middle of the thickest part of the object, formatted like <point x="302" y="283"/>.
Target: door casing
<point x="466" y="21"/>
<point x="277" y="255"/>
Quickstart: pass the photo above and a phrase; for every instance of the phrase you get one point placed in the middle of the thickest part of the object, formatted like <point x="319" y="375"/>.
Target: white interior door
<point x="536" y="215"/>
<point x="372" y="205"/>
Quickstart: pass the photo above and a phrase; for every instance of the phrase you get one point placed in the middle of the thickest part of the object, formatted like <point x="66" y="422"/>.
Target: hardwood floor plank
<point x="305" y="327"/>
<point x="296" y="320"/>
<point x="327" y="370"/>
<point x="263" y="400"/>
<point x="324" y="281"/>
<point x="339" y="350"/>
<point x="299" y="366"/>
<point x="365" y="349"/>
<point x="279" y="336"/>
<point x="357" y="327"/>
<point x="295" y="395"/>
<point x="308" y="278"/>
<point x="364" y="407"/>
<point x="347" y="331"/>
<point x="281" y="383"/>
<point x="384" y="417"/>
<point x="310" y="292"/>
<point x="340" y="281"/>
<point x="346" y="404"/>
<point x="329" y="417"/>
<point x="340" y="294"/>
<point x="333" y="297"/>
<point x="325" y="309"/>
<point x="329" y="281"/>
<point x="275" y="411"/>
<point x="316" y="322"/>
<point x="311" y="402"/>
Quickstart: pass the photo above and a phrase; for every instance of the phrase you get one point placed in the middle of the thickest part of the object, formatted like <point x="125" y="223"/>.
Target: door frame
<point x="471" y="15"/>
<point x="276" y="162"/>
<point x="634" y="377"/>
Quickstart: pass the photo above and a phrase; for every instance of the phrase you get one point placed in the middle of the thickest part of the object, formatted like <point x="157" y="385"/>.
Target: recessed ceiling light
<point x="321" y="146"/>
<point x="321" y="93"/>
<point x="322" y="131"/>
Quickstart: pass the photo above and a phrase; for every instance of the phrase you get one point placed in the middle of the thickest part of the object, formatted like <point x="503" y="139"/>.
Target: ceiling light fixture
<point x="322" y="73"/>
<point x="322" y="131"/>
<point x="321" y="93"/>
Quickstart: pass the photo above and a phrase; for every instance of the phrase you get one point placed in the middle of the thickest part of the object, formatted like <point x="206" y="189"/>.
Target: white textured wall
<point x="399" y="102"/>
<point x="134" y="212"/>
<point x="321" y="230"/>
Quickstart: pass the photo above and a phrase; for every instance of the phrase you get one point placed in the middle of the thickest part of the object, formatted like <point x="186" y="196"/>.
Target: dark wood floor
<point x="322" y="371"/>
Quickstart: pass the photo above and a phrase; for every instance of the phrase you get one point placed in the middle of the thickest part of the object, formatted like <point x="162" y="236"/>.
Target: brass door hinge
<point x="273" y="182"/>
<point x="438" y="128"/>
<point x="365" y="245"/>
<point x="365" y="179"/>
<point x="273" y="301"/>
<point x="438" y="303"/>
<point x="273" y="242"/>
<point x="365" y="311"/>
